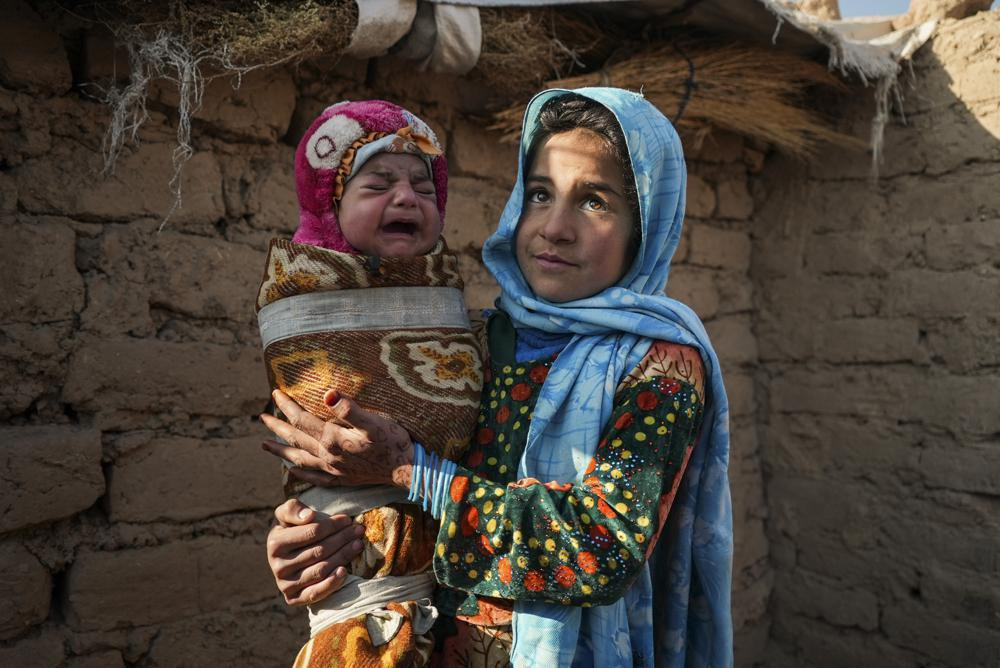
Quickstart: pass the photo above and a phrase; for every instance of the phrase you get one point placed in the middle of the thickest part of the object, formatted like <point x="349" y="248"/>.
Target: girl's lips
<point x="548" y="261"/>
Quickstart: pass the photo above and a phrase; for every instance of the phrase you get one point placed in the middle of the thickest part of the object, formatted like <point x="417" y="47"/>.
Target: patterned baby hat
<point x="337" y="143"/>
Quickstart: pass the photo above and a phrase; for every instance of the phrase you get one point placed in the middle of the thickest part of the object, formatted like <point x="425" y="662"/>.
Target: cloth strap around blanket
<point x="360" y="596"/>
<point x="365" y="309"/>
<point x="351" y="500"/>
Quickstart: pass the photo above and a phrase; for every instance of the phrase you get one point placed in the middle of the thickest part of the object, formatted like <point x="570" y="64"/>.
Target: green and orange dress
<point x="504" y="539"/>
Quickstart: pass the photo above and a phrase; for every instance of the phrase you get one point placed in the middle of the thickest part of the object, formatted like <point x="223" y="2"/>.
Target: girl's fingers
<point x="314" y="477"/>
<point x="290" y="434"/>
<point x="336" y="550"/>
<point x="297" y="456"/>
<point x="284" y="542"/>
<point x="297" y="417"/>
<point x="354" y="445"/>
<point x="347" y="410"/>
<point x="315" y="572"/>
<point x="320" y="590"/>
<point x="323" y="446"/>
<point x="295" y="513"/>
<point x="313" y="564"/>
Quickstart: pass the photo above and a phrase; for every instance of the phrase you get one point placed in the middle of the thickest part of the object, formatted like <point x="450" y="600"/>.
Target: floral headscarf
<point x="334" y="147"/>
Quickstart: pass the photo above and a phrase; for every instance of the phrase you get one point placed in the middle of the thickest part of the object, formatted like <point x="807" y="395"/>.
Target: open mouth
<point x="404" y="227"/>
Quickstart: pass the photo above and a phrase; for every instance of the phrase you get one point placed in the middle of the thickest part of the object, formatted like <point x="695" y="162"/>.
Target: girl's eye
<point x="595" y="204"/>
<point x="538" y="197"/>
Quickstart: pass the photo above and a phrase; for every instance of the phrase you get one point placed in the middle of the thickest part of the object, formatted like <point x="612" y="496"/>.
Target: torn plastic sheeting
<point x="458" y="40"/>
<point x="381" y="24"/>
<point x="528" y="3"/>
<point x="445" y="38"/>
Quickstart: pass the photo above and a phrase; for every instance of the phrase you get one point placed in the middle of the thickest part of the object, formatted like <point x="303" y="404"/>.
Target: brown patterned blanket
<point x="393" y="334"/>
<point x="398" y="340"/>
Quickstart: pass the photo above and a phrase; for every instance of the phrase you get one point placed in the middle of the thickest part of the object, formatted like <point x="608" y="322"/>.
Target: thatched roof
<point x="517" y="46"/>
<point x="703" y="62"/>
<point x="869" y="49"/>
<point x="703" y="84"/>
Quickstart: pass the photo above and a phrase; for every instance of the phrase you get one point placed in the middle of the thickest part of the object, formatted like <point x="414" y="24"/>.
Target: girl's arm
<point x="575" y="544"/>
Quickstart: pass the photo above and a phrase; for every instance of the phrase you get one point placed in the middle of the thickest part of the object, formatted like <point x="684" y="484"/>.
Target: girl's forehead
<point x="579" y="144"/>
<point x="574" y="153"/>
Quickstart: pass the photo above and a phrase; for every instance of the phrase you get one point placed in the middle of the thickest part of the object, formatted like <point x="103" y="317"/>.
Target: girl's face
<point x="573" y="237"/>
<point x="389" y="207"/>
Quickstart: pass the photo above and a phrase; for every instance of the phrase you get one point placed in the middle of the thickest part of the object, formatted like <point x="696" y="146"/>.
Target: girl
<point x="604" y="422"/>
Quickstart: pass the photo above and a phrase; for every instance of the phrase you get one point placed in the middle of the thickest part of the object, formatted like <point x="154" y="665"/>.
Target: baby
<point x="368" y="186"/>
<point x="365" y="299"/>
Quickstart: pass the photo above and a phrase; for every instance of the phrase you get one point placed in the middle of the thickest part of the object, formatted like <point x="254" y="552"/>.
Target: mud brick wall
<point x="878" y="323"/>
<point x="710" y="273"/>
<point x="134" y="498"/>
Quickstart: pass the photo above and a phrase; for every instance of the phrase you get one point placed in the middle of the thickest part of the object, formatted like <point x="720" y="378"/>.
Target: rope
<point x="689" y="86"/>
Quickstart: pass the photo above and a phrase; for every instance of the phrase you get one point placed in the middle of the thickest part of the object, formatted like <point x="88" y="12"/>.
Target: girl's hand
<point x="354" y="448"/>
<point x="307" y="553"/>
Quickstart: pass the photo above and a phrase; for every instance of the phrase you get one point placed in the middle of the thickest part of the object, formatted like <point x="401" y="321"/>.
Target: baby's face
<point x="389" y="208"/>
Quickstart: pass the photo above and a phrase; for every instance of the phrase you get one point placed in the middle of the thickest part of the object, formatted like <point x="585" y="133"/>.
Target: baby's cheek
<point x="438" y="227"/>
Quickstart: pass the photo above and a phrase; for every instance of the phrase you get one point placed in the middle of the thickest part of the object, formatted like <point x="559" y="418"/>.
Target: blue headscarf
<point x="680" y="603"/>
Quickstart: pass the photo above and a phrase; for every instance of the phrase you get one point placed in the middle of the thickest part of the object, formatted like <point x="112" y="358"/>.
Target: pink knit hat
<point x="326" y="156"/>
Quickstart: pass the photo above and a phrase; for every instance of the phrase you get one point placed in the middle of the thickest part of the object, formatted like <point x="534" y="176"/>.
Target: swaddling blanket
<point x="393" y="334"/>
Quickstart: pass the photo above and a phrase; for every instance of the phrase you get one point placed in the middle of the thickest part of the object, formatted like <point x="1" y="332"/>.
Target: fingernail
<point x="359" y="530"/>
<point x="356" y="545"/>
<point x="340" y="572"/>
<point x="331" y="397"/>
<point x="304" y="513"/>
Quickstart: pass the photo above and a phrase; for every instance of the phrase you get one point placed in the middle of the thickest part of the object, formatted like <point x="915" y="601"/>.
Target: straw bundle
<point x="240" y="33"/>
<point x="283" y="31"/>
<point x="521" y="48"/>
<point x="753" y="91"/>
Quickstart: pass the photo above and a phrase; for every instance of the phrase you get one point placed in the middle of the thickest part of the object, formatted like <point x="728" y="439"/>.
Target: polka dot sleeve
<point x="574" y="544"/>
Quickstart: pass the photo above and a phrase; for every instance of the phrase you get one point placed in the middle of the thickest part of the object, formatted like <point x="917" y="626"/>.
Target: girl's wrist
<point x="430" y="480"/>
<point x="402" y="472"/>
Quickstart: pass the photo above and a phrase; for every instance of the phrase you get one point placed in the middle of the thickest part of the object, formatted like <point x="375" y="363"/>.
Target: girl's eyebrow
<point x="597" y="186"/>
<point x="601" y="186"/>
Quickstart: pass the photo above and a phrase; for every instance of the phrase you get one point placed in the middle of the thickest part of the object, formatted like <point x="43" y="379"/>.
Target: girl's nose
<point x="558" y="225"/>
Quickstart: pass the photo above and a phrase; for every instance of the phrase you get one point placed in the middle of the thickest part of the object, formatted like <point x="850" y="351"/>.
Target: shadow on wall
<point x="135" y="496"/>
<point x="879" y="329"/>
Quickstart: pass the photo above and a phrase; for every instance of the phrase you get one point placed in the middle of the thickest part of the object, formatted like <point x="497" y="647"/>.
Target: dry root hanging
<point x="189" y="43"/>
